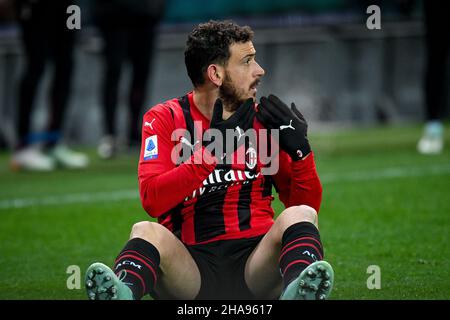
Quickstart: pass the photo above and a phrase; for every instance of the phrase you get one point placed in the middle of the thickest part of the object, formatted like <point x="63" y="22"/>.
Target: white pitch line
<point x="70" y="198"/>
<point x="387" y="173"/>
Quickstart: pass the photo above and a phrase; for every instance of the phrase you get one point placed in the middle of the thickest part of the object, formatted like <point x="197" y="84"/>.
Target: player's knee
<point x="149" y="231"/>
<point x="297" y="214"/>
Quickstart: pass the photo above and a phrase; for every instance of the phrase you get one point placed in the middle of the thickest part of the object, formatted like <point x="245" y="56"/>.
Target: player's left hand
<point x="292" y="126"/>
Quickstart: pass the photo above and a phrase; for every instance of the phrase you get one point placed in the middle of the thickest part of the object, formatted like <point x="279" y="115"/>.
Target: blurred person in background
<point x="45" y="38"/>
<point x="128" y="28"/>
<point x="437" y="28"/>
<point x="7" y="18"/>
<point x="6" y="11"/>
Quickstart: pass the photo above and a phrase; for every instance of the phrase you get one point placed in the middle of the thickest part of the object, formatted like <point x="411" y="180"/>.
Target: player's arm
<point x="297" y="180"/>
<point x="282" y="179"/>
<point x="305" y="187"/>
<point x="162" y="184"/>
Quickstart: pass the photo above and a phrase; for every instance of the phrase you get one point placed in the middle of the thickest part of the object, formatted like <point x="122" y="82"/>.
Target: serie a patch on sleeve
<point x="151" y="148"/>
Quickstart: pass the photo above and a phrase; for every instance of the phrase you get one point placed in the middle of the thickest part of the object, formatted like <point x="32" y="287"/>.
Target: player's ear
<point x="215" y="74"/>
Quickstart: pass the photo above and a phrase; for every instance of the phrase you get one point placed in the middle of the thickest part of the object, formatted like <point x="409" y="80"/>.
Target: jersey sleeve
<point x="162" y="184"/>
<point x="297" y="182"/>
<point x="282" y="179"/>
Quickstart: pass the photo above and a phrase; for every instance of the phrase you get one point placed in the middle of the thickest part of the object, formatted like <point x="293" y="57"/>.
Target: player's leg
<point x="62" y="45"/>
<point x="36" y="54"/>
<point x="36" y="48"/>
<point x="142" y="47"/>
<point x="153" y="260"/>
<point x="114" y="56"/>
<point x="293" y="247"/>
<point x="437" y="48"/>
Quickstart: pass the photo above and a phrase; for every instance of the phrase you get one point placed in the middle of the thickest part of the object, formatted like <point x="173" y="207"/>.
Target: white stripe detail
<point x="69" y="199"/>
<point x="388" y="173"/>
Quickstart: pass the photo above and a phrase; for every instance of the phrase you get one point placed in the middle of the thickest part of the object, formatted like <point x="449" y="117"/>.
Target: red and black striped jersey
<point x="203" y="201"/>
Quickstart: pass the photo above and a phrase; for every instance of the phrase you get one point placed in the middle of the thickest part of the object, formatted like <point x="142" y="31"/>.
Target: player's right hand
<point x="239" y="122"/>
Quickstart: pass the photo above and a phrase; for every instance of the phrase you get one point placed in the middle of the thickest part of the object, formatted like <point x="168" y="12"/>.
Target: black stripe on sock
<point x="300" y="247"/>
<point x="141" y="261"/>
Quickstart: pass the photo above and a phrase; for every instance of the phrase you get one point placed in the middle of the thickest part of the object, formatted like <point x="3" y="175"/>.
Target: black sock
<point x="300" y="247"/>
<point x="140" y="259"/>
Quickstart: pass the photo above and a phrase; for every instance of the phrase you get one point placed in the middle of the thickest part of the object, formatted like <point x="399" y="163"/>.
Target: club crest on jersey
<point x="151" y="148"/>
<point x="251" y="158"/>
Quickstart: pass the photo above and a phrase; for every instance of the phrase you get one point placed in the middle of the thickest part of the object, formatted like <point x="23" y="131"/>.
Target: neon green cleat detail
<point x="314" y="283"/>
<point x="102" y="284"/>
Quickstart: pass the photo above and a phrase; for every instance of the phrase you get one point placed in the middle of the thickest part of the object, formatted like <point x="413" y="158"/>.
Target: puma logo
<point x="240" y="132"/>
<point x="149" y="124"/>
<point x="288" y="126"/>
<point x="185" y="141"/>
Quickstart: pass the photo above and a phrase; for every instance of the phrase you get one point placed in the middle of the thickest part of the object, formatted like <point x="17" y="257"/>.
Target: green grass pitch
<point x="383" y="205"/>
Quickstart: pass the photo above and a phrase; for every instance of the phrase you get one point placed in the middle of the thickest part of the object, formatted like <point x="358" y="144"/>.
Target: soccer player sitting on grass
<point x="216" y="237"/>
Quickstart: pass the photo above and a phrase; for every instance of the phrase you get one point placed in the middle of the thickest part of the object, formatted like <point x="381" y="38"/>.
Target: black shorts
<point x="222" y="266"/>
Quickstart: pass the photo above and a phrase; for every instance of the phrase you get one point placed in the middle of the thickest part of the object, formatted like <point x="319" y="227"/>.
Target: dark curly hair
<point x="210" y="43"/>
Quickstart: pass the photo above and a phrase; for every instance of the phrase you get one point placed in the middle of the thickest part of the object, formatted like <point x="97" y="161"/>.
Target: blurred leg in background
<point x="129" y="30"/>
<point x="36" y="49"/>
<point x="62" y="48"/>
<point x="437" y="28"/>
<point x="45" y="39"/>
<point x="142" y="42"/>
<point x="114" y="54"/>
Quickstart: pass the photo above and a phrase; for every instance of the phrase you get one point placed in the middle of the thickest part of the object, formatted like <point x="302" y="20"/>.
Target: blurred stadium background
<point x="361" y="91"/>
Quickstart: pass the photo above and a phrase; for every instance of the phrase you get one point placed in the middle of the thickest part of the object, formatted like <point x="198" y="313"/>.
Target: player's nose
<point x="259" y="72"/>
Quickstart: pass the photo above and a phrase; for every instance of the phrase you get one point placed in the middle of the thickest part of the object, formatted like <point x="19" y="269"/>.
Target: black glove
<point x="240" y="121"/>
<point x="274" y="114"/>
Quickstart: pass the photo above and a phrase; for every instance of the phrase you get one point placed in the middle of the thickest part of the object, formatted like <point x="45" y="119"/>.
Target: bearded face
<point x="242" y="75"/>
<point x="231" y="95"/>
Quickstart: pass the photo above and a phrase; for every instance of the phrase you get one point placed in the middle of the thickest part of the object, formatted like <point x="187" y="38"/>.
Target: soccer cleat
<point x="32" y="159"/>
<point x="314" y="283"/>
<point x="430" y="145"/>
<point x="102" y="284"/>
<point x="432" y="140"/>
<point x="68" y="158"/>
<point x="107" y="148"/>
